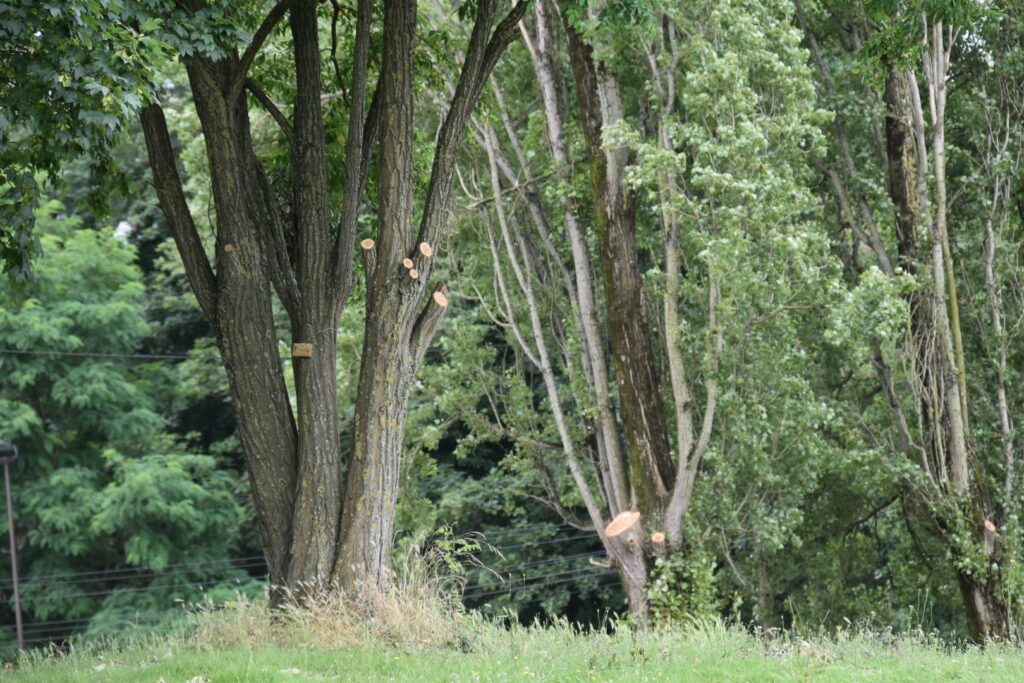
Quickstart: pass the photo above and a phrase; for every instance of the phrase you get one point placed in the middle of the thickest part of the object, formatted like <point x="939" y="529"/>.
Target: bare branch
<point x="353" y="153"/>
<point x="427" y="324"/>
<point x="369" y="249"/>
<point x="484" y="50"/>
<point x="280" y="264"/>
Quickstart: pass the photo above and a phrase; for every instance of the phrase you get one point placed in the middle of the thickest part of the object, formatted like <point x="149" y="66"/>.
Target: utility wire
<point x="546" y="542"/>
<point x="532" y="582"/>
<point x="574" y="573"/>
<point x="138" y="589"/>
<point x="142" y="572"/>
<point x="95" y="354"/>
<point x="600" y="576"/>
<point x="130" y="572"/>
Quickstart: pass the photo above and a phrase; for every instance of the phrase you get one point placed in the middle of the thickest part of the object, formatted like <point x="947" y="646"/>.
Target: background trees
<point x="701" y="265"/>
<point x="117" y="520"/>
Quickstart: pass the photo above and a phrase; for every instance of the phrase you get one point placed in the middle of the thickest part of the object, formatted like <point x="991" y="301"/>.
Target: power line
<point x="539" y="563"/>
<point x="573" y="573"/>
<point x="599" y="576"/>
<point x="139" y="589"/>
<point x="95" y="354"/>
<point x="142" y="572"/>
<point x="537" y="581"/>
<point x="546" y="542"/>
<point x="254" y="564"/>
<point x="131" y="572"/>
<point x="127" y="573"/>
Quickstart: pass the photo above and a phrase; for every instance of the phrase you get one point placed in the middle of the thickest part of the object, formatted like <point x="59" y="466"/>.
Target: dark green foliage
<point x="100" y="486"/>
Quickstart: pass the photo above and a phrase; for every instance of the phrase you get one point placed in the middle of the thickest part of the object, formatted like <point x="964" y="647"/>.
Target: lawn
<point x="559" y="653"/>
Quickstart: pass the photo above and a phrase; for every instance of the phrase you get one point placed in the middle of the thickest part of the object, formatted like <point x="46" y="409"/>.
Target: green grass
<point x="488" y="652"/>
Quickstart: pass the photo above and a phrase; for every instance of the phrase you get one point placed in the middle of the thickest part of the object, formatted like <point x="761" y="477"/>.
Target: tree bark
<point x="987" y="613"/>
<point x="319" y="483"/>
<point x="237" y="300"/>
<point x="310" y="539"/>
<point x="651" y="468"/>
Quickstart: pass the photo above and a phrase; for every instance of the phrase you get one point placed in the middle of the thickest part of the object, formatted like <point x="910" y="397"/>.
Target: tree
<point x="318" y="525"/>
<point x="910" y="52"/>
<point x="669" y="181"/>
<point x="115" y="521"/>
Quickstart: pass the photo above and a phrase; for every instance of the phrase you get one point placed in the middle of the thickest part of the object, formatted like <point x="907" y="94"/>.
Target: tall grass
<point x="421" y="608"/>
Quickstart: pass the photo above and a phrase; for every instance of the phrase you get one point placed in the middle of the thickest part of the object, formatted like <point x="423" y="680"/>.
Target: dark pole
<point x="8" y="452"/>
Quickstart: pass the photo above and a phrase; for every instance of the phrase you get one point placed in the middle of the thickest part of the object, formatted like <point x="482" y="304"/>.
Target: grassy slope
<point x="554" y="654"/>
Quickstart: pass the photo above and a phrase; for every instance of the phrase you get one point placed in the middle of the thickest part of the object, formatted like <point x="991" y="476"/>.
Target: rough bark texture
<point x="319" y="530"/>
<point x="239" y="298"/>
<point x="386" y="370"/>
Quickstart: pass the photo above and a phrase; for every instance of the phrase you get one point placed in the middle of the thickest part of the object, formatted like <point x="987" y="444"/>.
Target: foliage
<point x="102" y="488"/>
<point x="683" y="587"/>
<point x="805" y="511"/>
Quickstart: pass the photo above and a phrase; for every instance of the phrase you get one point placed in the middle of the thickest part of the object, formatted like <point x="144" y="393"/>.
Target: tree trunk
<point x="987" y="612"/>
<point x="373" y="476"/>
<point x="296" y="466"/>
<point x="936" y="353"/>
<point x="634" y="568"/>
<point x="238" y="302"/>
<point x="651" y="467"/>
<point x="319" y="483"/>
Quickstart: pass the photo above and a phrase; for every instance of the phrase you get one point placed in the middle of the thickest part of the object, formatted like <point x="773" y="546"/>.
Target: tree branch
<point x="484" y="50"/>
<point x="262" y="33"/>
<point x="427" y="324"/>
<point x="369" y="251"/>
<point x="280" y="264"/>
<point x="371" y="132"/>
<point x="175" y="207"/>
<point x="268" y="104"/>
<point x="347" y="223"/>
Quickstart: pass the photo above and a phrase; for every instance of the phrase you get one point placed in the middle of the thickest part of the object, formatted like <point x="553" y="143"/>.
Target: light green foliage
<point x="683" y="587"/>
<point x="875" y="309"/>
<point x="739" y="137"/>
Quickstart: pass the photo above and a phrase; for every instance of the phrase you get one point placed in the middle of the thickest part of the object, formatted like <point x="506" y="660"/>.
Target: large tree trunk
<point x="237" y="302"/>
<point x="987" y="613"/>
<point x="373" y="477"/>
<point x="319" y="483"/>
<point x="386" y="371"/>
<point x="312" y="541"/>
